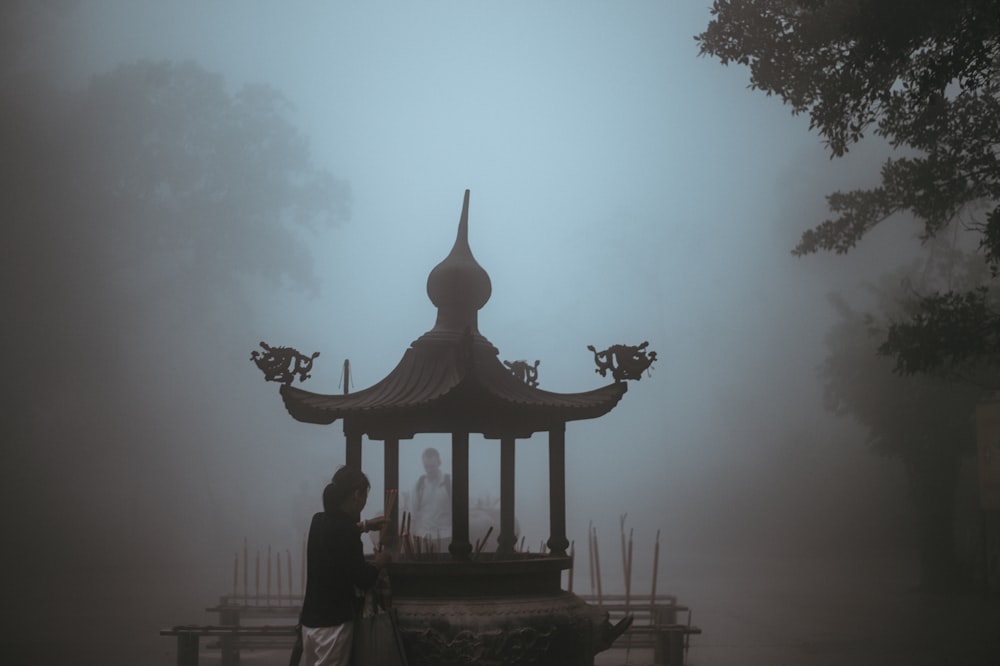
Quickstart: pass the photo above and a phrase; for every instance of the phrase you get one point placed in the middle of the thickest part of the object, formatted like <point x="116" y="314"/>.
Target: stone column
<point x="353" y="456"/>
<point x="460" y="546"/>
<point x="507" y="539"/>
<point x="391" y="447"/>
<point x="558" y="543"/>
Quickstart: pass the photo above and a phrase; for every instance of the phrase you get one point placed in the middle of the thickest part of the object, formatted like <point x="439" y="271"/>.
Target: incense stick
<point x="572" y="563"/>
<point x="597" y="570"/>
<point x="590" y="554"/>
<point x="656" y="564"/>
<point x="480" y="544"/>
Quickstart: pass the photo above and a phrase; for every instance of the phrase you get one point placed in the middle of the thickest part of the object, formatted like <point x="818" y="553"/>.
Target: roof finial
<point x="463" y="223"/>
<point x="459" y="286"/>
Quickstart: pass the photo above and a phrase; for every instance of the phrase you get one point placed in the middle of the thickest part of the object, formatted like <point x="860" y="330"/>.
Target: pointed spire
<point x="463" y="225"/>
<point x="459" y="286"/>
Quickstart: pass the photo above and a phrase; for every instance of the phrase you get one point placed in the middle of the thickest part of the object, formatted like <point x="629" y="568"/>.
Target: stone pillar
<point x="353" y="456"/>
<point x="460" y="546"/>
<point x="507" y="539"/>
<point x="558" y="543"/>
<point x="187" y="649"/>
<point x="391" y="447"/>
<point x="229" y="644"/>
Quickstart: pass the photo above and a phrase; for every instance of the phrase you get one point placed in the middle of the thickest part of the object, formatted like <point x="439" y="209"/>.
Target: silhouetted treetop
<point x="922" y="74"/>
<point x="163" y="158"/>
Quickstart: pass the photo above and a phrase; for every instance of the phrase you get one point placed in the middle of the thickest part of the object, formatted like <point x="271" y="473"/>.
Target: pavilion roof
<point x="451" y="379"/>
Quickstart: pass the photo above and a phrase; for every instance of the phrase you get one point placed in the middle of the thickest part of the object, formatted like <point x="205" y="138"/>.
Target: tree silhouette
<point x="925" y="422"/>
<point x="923" y="75"/>
<point x="136" y="209"/>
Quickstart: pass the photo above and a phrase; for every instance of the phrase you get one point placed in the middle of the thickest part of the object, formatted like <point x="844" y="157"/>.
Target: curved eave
<point x="431" y="385"/>
<point x="503" y="387"/>
<point x="417" y="380"/>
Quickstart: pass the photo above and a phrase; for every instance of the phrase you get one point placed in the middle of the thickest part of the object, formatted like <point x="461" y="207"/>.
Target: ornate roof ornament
<point x="283" y="364"/>
<point x="526" y="373"/>
<point x="624" y="361"/>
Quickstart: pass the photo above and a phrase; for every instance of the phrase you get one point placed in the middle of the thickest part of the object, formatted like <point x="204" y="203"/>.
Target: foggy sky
<point x="622" y="190"/>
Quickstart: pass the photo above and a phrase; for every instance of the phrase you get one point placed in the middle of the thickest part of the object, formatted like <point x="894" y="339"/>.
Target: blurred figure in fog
<point x="336" y="566"/>
<point x="431" y="504"/>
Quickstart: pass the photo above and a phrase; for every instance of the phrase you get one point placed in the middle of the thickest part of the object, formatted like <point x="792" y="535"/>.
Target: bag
<point x="377" y="639"/>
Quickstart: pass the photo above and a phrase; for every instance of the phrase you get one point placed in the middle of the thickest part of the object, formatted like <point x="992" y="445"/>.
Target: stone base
<point x="552" y="629"/>
<point x="496" y="612"/>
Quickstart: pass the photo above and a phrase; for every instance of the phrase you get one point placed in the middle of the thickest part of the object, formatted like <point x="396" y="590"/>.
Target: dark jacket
<point x="336" y="566"/>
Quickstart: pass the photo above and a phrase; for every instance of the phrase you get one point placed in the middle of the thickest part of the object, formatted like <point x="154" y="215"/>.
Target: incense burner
<point x="494" y="612"/>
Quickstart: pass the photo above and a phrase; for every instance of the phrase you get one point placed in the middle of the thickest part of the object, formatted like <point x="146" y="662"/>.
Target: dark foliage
<point x="136" y="209"/>
<point x="925" y="76"/>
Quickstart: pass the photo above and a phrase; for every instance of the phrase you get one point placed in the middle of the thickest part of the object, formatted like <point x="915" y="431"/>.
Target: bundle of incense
<point x="390" y="500"/>
<point x="521" y="547"/>
<point x="390" y="505"/>
<point x="404" y="533"/>
<point x="626" y="561"/>
<point x="277" y="569"/>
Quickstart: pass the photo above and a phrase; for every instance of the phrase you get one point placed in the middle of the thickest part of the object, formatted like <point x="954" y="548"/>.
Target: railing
<point x="659" y="623"/>
<point x="188" y="638"/>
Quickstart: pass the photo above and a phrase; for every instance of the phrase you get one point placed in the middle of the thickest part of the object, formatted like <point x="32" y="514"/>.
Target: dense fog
<point x="622" y="190"/>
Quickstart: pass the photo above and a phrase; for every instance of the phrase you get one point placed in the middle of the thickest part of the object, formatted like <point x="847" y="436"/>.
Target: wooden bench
<point x="668" y="641"/>
<point x="189" y="636"/>
<point x="233" y="610"/>
<point x="663" y="625"/>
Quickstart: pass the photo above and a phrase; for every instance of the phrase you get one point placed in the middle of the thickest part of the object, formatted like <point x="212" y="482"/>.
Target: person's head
<point x="348" y="491"/>
<point x="432" y="461"/>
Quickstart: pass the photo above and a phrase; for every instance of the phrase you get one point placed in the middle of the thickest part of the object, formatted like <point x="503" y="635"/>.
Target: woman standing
<point x="336" y="569"/>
